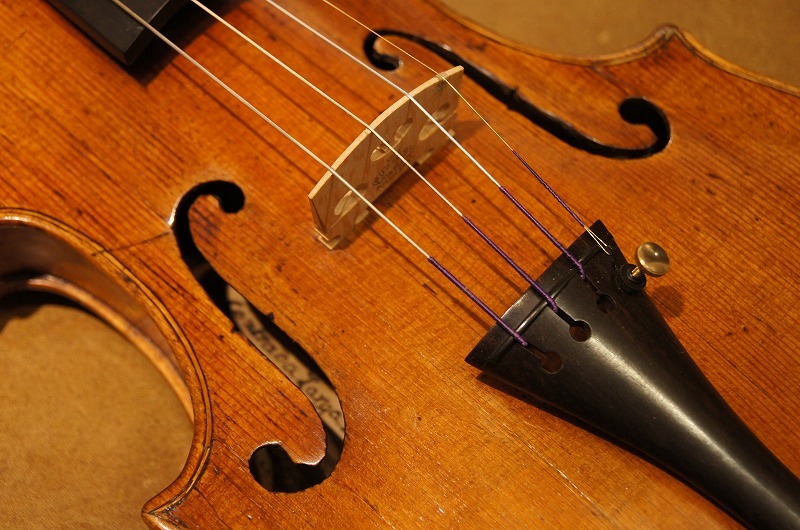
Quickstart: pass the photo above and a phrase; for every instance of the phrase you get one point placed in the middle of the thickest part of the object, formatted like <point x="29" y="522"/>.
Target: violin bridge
<point x="371" y="167"/>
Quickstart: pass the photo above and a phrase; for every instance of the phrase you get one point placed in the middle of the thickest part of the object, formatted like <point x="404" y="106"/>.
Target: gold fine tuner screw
<point x="651" y="259"/>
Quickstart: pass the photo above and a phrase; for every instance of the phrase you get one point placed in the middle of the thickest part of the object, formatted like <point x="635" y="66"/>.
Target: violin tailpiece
<point x="371" y="167"/>
<point x="627" y="374"/>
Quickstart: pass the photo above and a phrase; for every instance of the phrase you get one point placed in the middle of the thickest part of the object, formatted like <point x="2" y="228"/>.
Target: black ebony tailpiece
<point x="612" y="361"/>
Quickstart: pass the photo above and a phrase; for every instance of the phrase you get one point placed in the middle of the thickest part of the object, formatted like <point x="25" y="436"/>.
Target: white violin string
<point x="480" y="116"/>
<point x="391" y="83"/>
<point x="533" y="283"/>
<point x="518" y="204"/>
<point x="267" y="119"/>
<point x="428" y="257"/>
<point x="328" y="98"/>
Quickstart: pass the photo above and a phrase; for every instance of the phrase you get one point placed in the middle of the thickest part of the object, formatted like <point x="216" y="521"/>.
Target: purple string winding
<point x="538" y="288"/>
<point x="464" y="289"/>
<point x="545" y="231"/>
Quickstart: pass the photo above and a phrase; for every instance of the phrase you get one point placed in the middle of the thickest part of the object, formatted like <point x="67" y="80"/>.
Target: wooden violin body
<point x="96" y="159"/>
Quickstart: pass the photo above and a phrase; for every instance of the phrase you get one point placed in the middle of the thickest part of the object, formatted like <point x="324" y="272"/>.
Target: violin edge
<point x="179" y="367"/>
<point x="657" y="39"/>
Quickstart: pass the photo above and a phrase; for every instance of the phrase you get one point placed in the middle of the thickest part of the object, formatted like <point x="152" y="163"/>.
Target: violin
<point x="321" y="356"/>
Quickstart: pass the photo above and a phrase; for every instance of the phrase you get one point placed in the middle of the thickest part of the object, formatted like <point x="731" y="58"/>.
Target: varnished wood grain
<point x="102" y="155"/>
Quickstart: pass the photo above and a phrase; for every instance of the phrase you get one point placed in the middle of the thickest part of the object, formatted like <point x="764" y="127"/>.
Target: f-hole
<point x="635" y="110"/>
<point x="270" y="465"/>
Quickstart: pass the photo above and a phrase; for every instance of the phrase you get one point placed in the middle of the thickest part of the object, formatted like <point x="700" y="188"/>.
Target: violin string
<point x="480" y="116"/>
<point x="449" y="136"/>
<point x="494" y="246"/>
<point x="429" y="258"/>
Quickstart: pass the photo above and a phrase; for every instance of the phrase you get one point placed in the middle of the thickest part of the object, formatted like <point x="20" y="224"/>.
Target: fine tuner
<point x="651" y="260"/>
